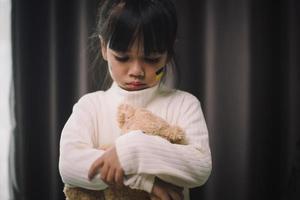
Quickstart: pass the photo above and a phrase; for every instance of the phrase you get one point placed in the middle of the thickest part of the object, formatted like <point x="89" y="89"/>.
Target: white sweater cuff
<point x="128" y="156"/>
<point x="127" y="153"/>
<point x="140" y="182"/>
<point x="148" y="183"/>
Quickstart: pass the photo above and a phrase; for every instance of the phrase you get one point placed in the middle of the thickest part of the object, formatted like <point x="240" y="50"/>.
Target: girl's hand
<point x="166" y="191"/>
<point x="109" y="167"/>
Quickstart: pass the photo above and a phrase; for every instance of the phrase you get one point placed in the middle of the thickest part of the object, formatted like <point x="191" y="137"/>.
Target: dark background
<point x="239" y="57"/>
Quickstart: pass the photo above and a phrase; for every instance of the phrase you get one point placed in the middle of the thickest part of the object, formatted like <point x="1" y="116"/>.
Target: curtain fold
<point x="291" y="166"/>
<point x="239" y="57"/>
<point x="6" y="117"/>
<point x="50" y="74"/>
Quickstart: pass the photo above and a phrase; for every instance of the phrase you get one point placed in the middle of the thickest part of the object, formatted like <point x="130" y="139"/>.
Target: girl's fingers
<point x="95" y="168"/>
<point x="119" y="177"/>
<point x="110" y="176"/>
<point x="175" y="195"/>
<point x="175" y="192"/>
<point x="164" y="196"/>
<point x="104" y="172"/>
<point x="166" y="191"/>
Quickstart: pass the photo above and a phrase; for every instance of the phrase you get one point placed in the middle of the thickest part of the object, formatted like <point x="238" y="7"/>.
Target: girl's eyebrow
<point x="119" y="52"/>
<point x="154" y="55"/>
<point x="128" y="53"/>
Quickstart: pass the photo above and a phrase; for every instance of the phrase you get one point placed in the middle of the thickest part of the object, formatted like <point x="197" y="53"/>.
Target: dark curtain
<point x="239" y="57"/>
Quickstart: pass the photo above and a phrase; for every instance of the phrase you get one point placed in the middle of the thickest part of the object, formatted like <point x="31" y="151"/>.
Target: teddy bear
<point x="131" y="118"/>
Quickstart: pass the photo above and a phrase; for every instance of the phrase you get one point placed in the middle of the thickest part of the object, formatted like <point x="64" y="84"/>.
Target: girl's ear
<point x="103" y="48"/>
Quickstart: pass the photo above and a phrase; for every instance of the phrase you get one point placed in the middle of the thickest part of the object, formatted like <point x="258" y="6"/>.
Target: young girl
<point x="136" y="38"/>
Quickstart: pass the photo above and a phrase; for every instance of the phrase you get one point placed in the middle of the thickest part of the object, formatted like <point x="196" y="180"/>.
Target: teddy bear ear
<point x="121" y="115"/>
<point x="122" y="108"/>
<point x="125" y="112"/>
<point x="121" y="120"/>
<point x="126" y="108"/>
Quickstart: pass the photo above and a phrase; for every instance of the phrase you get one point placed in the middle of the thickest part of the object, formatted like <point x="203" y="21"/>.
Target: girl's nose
<point x="136" y="70"/>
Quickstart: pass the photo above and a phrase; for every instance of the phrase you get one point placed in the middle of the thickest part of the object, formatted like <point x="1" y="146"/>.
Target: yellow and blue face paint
<point x="159" y="73"/>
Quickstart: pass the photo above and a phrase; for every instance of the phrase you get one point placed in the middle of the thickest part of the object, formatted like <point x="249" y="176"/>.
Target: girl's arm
<point x="183" y="165"/>
<point x="78" y="149"/>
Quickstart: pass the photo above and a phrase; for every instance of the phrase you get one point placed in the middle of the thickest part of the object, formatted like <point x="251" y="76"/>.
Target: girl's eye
<point x="122" y="59"/>
<point x="152" y="60"/>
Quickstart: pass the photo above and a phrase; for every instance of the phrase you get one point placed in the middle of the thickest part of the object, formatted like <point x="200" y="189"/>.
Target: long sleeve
<point x="183" y="165"/>
<point x="140" y="181"/>
<point x="77" y="147"/>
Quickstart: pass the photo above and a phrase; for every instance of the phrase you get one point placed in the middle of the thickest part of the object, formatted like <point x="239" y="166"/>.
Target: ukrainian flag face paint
<point x="159" y="73"/>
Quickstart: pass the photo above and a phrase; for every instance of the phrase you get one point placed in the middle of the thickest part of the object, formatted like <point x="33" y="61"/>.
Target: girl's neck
<point x="140" y="98"/>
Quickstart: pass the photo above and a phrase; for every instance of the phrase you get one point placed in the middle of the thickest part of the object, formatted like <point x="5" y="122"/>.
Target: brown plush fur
<point x="131" y="118"/>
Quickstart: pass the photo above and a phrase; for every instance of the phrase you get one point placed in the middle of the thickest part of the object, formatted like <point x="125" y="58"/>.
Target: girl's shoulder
<point x="180" y="103"/>
<point x="92" y="96"/>
<point x="90" y="99"/>
<point x="178" y="95"/>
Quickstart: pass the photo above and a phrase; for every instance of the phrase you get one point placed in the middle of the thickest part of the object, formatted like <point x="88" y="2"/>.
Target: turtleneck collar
<point x="139" y="98"/>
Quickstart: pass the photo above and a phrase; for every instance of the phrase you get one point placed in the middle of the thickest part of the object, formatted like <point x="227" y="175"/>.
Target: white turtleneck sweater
<point x="93" y="123"/>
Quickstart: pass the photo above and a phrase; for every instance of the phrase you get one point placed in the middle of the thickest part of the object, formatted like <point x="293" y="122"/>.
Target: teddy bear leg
<point x="125" y="193"/>
<point x="76" y="193"/>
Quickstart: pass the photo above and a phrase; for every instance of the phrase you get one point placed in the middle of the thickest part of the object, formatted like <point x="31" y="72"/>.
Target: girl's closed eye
<point x="152" y="60"/>
<point x="121" y="58"/>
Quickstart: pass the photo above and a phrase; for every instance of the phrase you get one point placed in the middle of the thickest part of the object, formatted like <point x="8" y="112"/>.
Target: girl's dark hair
<point x="152" y="22"/>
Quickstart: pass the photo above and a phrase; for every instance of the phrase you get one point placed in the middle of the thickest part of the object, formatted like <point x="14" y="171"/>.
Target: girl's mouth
<point x="136" y="85"/>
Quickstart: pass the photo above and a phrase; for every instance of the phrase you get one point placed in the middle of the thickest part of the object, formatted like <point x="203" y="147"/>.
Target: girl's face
<point x="132" y="70"/>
